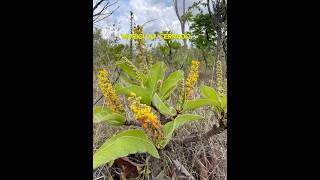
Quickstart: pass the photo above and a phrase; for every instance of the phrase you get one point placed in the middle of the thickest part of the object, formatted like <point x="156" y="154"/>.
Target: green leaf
<point x="126" y="80"/>
<point x="170" y="84"/>
<point x="175" y="45"/>
<point x="194" y="104"/>
<point x="183" y="119"/>
<point x="103" y="114"/>
<point x="157" y="73"/>
<point x="129" y="70"/>
<point x="168" y="131"/>
<point x="117" y="86"/>
<point x="172" y="110"/>
<point x="169" y="127"/>
<point x="144" y="93"/>
<point x="162" y="107"/>
<point x="123" y="144"/>
<point x="209" y="92"/>
<point x="110" y="163"/>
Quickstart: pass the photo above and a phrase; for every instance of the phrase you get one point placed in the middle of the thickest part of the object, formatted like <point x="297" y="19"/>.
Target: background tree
<point x="101" y="10"/>
<point x="218" y="15"/>
<point x="169" y="47"/>
<point x="131" y="32"/>
<point x="203" y="35"/>
<point x="186" y="14"/>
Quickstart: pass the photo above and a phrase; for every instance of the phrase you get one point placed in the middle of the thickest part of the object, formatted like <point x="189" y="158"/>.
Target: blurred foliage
<point x="106" y="51"/>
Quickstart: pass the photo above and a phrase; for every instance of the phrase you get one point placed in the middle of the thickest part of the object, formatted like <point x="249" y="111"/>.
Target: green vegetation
<point x="162" y="106"/>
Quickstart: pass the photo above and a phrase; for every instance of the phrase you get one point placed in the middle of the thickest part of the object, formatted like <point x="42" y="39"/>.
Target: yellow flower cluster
<point x="146" y="117"/>
<point x="192" y="79"/>
<point x="219" y="77"/>
<point x="113" y="101"/>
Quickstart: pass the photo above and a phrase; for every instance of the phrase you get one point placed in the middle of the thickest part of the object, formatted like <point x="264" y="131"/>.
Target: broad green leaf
<point x="170" y="84"/>
<point x="129" y="70"/>
<point x="103" y="114"/>
<point x="144" y="93"/>
<point x="123" y="144"/>
<point x="157" y="73"/>
<point x="169" y="127"/>
<point x="161" y="106"/>
<point x="126" y="80"/>
<point x="183" y="119"/>
<point x="209" y="92"/>
<point x="194" y="104"/>
<point x="172" y="110"/>
<point x="168" y="131"/>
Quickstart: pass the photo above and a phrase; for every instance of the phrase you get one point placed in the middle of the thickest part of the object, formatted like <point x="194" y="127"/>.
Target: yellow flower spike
<point x="192" y="79"/>
<point x="109" y="93"/>
<point x="219" y="78"/>
<point x="146" y="117"/>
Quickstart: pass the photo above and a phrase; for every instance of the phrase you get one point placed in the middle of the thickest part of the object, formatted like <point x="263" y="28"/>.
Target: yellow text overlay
<point x="154" y="36"/>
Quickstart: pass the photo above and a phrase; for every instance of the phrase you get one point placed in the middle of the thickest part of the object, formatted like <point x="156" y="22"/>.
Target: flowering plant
<point x="155" y="119"/>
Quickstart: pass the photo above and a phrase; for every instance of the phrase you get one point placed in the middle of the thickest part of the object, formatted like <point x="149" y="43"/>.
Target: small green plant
<point x="148" y="95"/>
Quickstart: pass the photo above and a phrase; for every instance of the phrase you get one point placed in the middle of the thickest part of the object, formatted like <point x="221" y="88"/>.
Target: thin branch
<point x="100" y="12"/>
<point x="149" y="21"/>
<point x="109" y="14"/>
<point x="176" y="9"/>
<point x="210" y="13"/>
<point x="184" y="7"/>
<point x="213" y="131"/>
<point x="132" y="123"/>
<point x="198" y="137"/>
<point x="96" y="6"/>
<point x="104" y="13"/>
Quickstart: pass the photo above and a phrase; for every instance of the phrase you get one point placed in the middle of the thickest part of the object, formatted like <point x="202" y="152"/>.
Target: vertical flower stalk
<point x="192" y="79"/>
<point x="219" y="78"/>
<point x="150" y="60"/>
<point x="140" y="44"/>
<point x="225" y="87"/>
<point x="147" y="119"/>
<point x="113" y="101"/>
<point x="182" y="94"/>
<point x="145" y="68"/>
